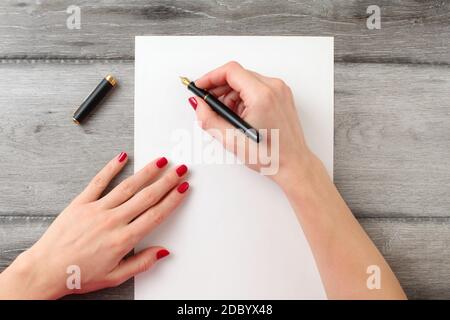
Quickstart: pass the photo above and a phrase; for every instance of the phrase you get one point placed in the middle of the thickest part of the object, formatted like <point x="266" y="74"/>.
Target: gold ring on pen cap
<point x="111" y="80"/>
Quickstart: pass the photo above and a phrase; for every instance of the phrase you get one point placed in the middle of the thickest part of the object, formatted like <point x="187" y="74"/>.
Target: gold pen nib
<point x="185" y="81"/>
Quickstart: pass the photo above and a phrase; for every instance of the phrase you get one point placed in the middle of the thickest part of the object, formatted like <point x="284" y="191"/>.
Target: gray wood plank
<point x="416" y="249"/>
<point x="392" y="138"/>
<point x="411" y="31"/>
<point x="47" y="155"/>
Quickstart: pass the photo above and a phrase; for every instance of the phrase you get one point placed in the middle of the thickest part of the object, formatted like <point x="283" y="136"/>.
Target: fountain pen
<point x="222" y="110"/>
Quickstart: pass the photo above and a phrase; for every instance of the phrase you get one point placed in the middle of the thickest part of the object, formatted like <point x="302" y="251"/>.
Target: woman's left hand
<point x="92" y="236"/>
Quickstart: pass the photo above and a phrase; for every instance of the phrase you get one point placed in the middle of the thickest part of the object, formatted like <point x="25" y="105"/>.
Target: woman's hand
<point x="94" y="234"/>
<point x="265" y="103"/>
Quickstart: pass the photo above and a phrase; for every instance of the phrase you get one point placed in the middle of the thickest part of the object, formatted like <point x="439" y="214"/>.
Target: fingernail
<point x="183" y="187"/>
<point x="161" y="162"/>
<point x="181" y="170"/>
<point x="122" y="156"/>
<point x="162" y="253"/>
<point x="193" y="102"/>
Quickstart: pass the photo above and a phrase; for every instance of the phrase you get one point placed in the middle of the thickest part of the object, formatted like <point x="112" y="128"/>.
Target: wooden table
<point x="392" y="111"/>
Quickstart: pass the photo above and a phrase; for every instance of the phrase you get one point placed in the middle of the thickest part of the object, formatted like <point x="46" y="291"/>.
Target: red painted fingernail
<point x="122" y="156"/>
<point x="161" y="162"/>
<point x="183" y="187"/>
<point x="181" y="170"/>
<point x="162" y="253"/>
<point x="193" y="102"/>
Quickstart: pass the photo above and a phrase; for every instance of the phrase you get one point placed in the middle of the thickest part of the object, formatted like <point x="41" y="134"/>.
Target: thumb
<point x="140" y="262"/>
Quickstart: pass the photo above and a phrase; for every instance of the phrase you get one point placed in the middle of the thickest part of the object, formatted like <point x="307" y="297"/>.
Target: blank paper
<point x="236" y="236"/>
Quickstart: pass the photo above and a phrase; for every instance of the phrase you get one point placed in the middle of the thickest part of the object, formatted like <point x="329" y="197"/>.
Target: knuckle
<point x="233" y="65"/>
<point x="116" y="246"/>
<point x="278" y="84"/>
<point x="155" y="217"/>
<point x="150" y="195"/>
<point x="265" y="95"/>
<point x="127" y="188"/>
<point x="149" y="170"/>
<point x="129" y="238"/>
<point x="144" y="265"/>
<point x="171" y="179"/>
<point x="110" y="220"/>
<point x="158" y="218"/>
<point x="280" y="87"/>
<point x="123" y="241"/>
<point x="99" y="182"/>
<point x="288" y="90"/>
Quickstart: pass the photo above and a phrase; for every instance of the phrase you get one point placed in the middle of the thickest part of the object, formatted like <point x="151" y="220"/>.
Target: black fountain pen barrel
<point x="232" y="117"/>
<point x="197" y="91"/>
<point x="224" y="111"/>
<point x="219" y="107"/>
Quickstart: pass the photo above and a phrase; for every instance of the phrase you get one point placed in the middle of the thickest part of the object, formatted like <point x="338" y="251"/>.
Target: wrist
<point x="305" y="178"/>
<point x="28" y="277"/>
<point x="298" y="171"/>
<point x="311" y="192"/>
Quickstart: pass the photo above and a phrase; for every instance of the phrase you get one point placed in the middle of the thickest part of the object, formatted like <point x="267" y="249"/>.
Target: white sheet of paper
<point x="236" y="236"/>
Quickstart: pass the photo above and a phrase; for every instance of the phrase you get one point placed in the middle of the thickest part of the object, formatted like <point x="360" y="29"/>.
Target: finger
<point x="221" y="90"/>
<point x="231" y="100"/>
<point x="140" y="262"/>
<point x="230" y="137"/>
<point x="130" y="186"/>
<point x="98" y="184"/>
<point x="209" y="120"/>
<point x="232" y="74"/>
<point x="240" y="108"/>
<point x="152" y="194"/>
<point x="154" y="216"/>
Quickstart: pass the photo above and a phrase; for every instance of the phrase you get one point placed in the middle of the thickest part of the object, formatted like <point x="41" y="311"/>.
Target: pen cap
<point x="94" y="98"/>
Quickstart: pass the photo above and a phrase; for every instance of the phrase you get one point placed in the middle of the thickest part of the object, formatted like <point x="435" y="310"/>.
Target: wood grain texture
<point x="411" y="31"/>
<point x="392" y="141"/>
<point x="417" y="251"/>
<point x="413" y="248"/>
<point x="48" y="156"/>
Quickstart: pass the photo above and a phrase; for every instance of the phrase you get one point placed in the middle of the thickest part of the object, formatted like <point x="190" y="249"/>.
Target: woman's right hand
<point x="263" y="102"/>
